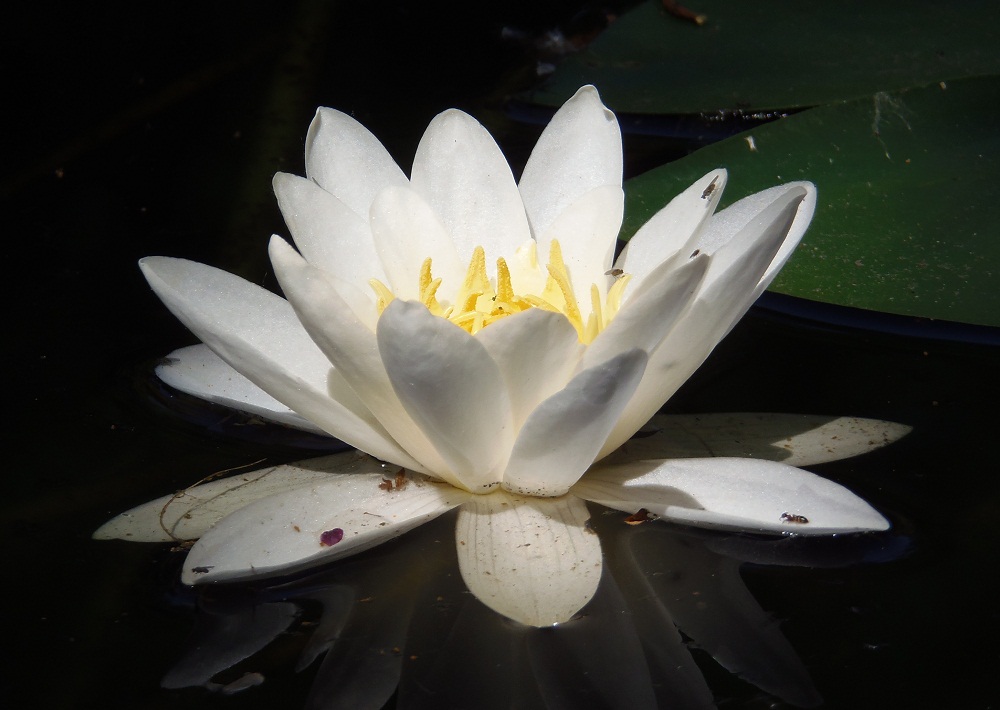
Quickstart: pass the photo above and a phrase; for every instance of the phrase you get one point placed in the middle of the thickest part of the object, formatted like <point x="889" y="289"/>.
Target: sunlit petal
<point x="197" y="371"/>
<point x="580" y="149"/>
<point x="531" y="559"/>
<point x="188" y="514"/>
<point x="258" y="335"/>
<point x="587" y="231"/>
<point x="673" y="231"/>
<point x="352" y="347"/>
<point x="537" y="352"/>
<point x="451" y="387"/>
<point x="733" y="493"/>
<point x="315" y="524"/>
<point x="563" y="435"/>
<point x="324" y="229"/>
<point x="346" y="160"/>
<point x="461" y="173"/>
<point x="406" y="231"/>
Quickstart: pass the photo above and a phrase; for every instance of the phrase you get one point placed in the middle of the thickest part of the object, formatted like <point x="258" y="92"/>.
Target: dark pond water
<point x="156" y="132"/>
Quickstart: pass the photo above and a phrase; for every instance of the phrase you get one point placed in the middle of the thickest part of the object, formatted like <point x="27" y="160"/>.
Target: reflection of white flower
<point x="475" y="332"/>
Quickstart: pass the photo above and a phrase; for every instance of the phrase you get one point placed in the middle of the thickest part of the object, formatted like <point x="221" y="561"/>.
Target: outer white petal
<point x="285" y="532"/>
<point x="731" y="221"/>
<point x="649" y="315"/>
<point x="673" y="231"/>
<point x="452" y="389"/>
<point x="407" y="231"/>
<point x="580" y="149"/>
<point x="587" y="231"/>
<point x="346" y="160"/>
<point x="325" y="230"/>
<point x="257" y="334"/>
<point x="189" y="514"/>
<point x="537" y="352"/>
<point x="793" y="439"/>
<point x="562" y="436"/>
<point x="198" y="371"/>
<point x="531" y="559"/>
<point x="352" y="347"/>
<point x="464" y="177"/>
<point x="726" y="293"/>
<point x="732" y="493"/>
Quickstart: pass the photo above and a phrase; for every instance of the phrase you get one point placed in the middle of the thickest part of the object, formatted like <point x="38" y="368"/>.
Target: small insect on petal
<point x="331" y="537"/>
<point x="794" y="518"/>
<point x="639" y="517"/>
<point x="710" y="189"/>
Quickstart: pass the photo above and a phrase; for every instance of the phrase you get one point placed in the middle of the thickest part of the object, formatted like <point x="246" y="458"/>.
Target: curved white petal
<point x="313" y="525"/>
<point x="587" y="231"/>
<point x="346" y="160"/>
<point x="190" y="513"/>
<point x="562" y="436"/>
<point x="646" y="319"/>
<point x="325" y="229"/>
<point x="580" y="149"/>
<point x="537" y="352"/>
<point x="726" y="293"/>
<point x="353" y="349"/>
<point x="452" y="389"/>
<point x="461" y="173"/>
<point x="731" y="221"/>
<point x="197" y="371"/>
<point x="531" y="559"/>
<point x="407" y="231"/>
<point x="732" y="493"/>
<point x="257" y="334"/>
<point x="793" y="439"/>
<point x="673" y="231"/>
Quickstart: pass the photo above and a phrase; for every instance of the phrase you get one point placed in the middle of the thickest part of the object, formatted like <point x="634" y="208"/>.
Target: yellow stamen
<point x="479" y="302"/>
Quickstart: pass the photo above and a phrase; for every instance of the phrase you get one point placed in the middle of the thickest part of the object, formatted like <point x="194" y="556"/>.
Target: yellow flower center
<point x="481" y="301"/>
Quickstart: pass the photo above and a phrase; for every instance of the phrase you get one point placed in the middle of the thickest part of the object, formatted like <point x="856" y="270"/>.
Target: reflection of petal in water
<point x="227" y="635"/>
<point x="708" y="600"/>
<point x="595" y="661"/>
<point x="399" y="620"/>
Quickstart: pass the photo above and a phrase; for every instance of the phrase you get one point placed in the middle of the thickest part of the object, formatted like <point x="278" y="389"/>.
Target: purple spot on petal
<point x="331" y="537"/>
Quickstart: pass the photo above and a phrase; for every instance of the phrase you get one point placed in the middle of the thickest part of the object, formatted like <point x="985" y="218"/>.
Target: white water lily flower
<point x="475" y="333"/>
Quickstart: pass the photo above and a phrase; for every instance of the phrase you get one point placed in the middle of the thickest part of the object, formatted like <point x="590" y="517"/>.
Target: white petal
<point x="537" y="352"/>
<point x="579" y="150"/>
<point x="587" y="231"/>
<point x="650" y="314"/>
<point x="562" y="436"/>
<point x="793" y="439"/>
<point x="726" y="293"/>
<point x="673" y="231"/>
<point x="258" y="334"/>
<point x="346" y="160"/>
<point x="463" y="176"/>
<point x="352" y="347"/>
<point x="721" y="229"/>
<point x="189" y="514"/>
<point x="531" y="559"/>
<point x="731" y="493"/>
<point x="452" y="389"/>
<point x="407" y="231"/>
<point x="198" y="371"/>
<point x="325" y="230"/>
<point x="296" y="529"/>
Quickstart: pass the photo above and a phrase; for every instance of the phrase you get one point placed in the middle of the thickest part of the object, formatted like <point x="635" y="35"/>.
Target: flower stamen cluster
<point x="481" y="301"/>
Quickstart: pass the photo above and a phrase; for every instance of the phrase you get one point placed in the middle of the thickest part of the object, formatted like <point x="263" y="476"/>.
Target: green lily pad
<point x="909" y="198"/>
<point x="765" y="55"/>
